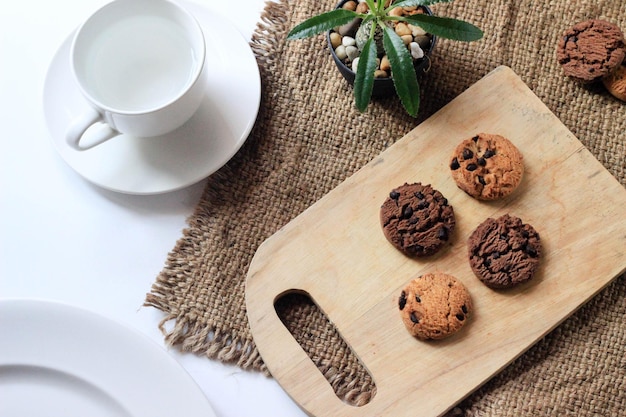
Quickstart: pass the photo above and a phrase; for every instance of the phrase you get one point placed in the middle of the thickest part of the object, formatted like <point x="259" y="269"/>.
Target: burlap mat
<point x="309" y="138"/>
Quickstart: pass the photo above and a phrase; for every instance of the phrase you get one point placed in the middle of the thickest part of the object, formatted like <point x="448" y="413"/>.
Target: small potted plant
<point x="344" y="43"/>
<point x="377" y="21"/>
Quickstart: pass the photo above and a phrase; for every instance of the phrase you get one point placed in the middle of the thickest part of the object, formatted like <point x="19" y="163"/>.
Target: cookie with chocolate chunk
<point x="590" y="50"/>
<point x="504" y="252"/>
<point x="417" y="219"/>
<point x="487" y="166"/>
<point x="434" y="306"/>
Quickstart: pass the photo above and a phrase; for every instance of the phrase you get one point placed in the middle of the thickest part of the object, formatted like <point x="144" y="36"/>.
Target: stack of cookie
<point x="594" y="51"/>
<point x="418" y="220"/>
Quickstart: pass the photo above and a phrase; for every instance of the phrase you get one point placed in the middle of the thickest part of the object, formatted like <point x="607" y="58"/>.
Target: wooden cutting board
<point x="335" y="251"/>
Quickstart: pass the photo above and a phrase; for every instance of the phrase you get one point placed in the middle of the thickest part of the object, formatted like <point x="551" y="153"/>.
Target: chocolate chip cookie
<point x="504" y="252"/>
<point x="434" y="306"/>
<point x="590" y="50"/>
<point x="417" y="219"/>
<point x="487" y="166"/>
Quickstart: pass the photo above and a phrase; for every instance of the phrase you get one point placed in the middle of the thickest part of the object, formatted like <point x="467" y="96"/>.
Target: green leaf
<point x="411" y="3"/>
<point x="402" y="71"/>
<point x="364" y="80"/>
<point x="321" y="23"/>
<point x="372" y="4"/>
<point x="446" y="27"/>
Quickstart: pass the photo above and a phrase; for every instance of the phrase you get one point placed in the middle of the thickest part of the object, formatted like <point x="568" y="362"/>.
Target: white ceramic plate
<point x="57" y="360"/>
<point x="170" y="162"/>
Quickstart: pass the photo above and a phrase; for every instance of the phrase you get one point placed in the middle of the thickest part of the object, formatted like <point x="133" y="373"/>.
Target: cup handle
<point x="78" y="127"/>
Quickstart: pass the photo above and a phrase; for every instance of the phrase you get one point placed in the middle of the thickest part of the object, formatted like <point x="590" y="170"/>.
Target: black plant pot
<point x="383" y="87"/>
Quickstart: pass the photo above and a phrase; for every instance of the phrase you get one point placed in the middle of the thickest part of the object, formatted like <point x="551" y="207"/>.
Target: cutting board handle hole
<point x="323" y="344"/>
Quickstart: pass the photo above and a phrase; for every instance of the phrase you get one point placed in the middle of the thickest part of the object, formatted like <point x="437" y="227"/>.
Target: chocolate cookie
<point x="417" y="219"/>
<point x="504" y="252"/>
<point x="615" y="82"/>
<point x="434" y="305"/>
<point x="487" y="166"/>
<point x="590" y="50"/>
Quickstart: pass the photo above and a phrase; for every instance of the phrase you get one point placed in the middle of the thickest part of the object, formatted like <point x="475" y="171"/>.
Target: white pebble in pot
<point x="341" y="52"/>
<point x="352" y="52"/>
<point x="348" y="41"/>
<point x="416" y="50"/>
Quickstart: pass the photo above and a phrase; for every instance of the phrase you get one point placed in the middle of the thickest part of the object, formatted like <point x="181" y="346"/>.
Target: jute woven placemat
<point x="308" y="138"/>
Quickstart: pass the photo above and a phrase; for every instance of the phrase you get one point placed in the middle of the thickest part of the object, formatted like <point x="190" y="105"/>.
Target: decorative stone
<point x="355" y="64"/>
<point x="423" y="41"/>
<point x="416" y="50"/>
<point x="385" y="65"/>
<point x="402" y="29"/>
<point x="362" y="7"/>
<point x="341" y="53"/>
<point x="416" y="30"/>
<point x="348" y="41"/>
<point x="350" y="5"/>
<point x="407" y="39"/>
<point x="352" y="52"/>
<point x="335" y="39"/>
<point x="396" y="11"/>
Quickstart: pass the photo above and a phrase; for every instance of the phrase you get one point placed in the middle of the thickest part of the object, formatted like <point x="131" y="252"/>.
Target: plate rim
<point x="149" y="360"/>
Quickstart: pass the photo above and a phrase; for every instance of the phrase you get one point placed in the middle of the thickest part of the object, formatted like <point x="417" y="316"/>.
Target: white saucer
<point x="57" y="360"/>
<point x="170" y="162"/>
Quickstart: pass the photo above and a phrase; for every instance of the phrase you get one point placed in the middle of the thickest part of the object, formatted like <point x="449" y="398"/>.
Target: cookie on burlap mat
<point x="417" y="219"/>
<point x="487" y="166"/>
<point x="504" y="252"/>
<point x="434" y="306"/>
<point x="590" y="50"/>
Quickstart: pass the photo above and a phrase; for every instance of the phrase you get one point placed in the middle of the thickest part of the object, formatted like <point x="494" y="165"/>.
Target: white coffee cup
<point x="140" y="65"/>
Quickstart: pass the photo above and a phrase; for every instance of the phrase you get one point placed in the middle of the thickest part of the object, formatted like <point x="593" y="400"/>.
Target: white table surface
<point x="66" y="240"/>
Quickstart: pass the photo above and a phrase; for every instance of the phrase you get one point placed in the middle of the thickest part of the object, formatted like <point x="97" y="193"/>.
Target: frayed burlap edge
<point x="189" y="334"/>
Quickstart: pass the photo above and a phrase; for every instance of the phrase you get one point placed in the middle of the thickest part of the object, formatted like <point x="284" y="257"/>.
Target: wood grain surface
<point x="335" y="251"/>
